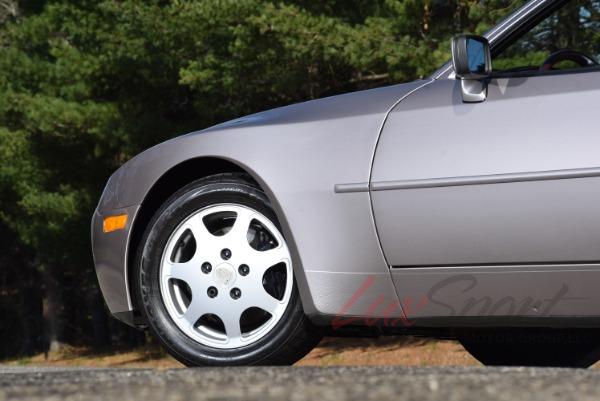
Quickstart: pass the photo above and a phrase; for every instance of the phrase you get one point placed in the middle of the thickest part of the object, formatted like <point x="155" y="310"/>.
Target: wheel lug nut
<point x="244" y="270"/>
<point x="212" y="292"/>
<point x="206" y="267"/>
<point x="235" y="293"/>
<point x="225" y="254"/>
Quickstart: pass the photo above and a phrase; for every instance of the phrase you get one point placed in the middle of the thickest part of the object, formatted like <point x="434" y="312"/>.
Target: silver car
<point x="465" y="205"/>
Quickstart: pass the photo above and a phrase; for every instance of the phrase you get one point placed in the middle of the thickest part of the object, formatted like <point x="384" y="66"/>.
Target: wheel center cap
<point x="224" y="275"/>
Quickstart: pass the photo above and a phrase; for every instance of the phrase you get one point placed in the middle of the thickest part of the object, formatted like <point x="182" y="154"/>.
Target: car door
<point x="511" y="180"/>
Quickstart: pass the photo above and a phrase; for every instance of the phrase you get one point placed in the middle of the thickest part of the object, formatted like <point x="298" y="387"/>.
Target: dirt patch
<point x="387" y="351"/>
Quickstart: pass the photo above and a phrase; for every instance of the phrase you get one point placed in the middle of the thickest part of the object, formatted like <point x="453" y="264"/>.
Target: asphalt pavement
<point x="301" y="383"/>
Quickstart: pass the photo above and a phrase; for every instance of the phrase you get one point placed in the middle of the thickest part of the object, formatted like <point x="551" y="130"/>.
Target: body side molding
<point x="352" y="187"/>
<point x="485" y="179"/>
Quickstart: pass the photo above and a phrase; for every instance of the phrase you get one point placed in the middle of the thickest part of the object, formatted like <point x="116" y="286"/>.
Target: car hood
<point x="340" y="106"/>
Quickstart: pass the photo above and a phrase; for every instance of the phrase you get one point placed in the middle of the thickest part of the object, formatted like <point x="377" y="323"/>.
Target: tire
<point x="577" y="348"/>
<point x="169" y="303"/>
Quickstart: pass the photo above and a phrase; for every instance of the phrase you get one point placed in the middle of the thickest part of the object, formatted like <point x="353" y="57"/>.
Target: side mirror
<point x="472" y="62"/>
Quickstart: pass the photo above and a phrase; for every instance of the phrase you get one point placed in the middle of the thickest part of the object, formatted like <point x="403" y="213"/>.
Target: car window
<point x="571" y="35"/>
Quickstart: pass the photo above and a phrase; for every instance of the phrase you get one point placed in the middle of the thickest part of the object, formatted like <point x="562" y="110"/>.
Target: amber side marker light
<point x="114" y="223"/>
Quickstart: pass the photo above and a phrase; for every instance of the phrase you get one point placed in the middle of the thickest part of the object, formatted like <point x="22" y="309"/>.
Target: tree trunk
<point x="53" y="307"/>
<point x="33" y="307"/>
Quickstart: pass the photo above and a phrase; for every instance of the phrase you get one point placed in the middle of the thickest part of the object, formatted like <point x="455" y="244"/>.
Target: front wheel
<point x="216" y="282"/>
<point x="575" y="348"/>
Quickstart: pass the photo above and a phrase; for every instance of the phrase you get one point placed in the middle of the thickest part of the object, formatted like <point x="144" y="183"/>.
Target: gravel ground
<point x="300" y="383"/>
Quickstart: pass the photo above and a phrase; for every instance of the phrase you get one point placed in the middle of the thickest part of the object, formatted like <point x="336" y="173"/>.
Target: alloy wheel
<point x="226" y="276"/>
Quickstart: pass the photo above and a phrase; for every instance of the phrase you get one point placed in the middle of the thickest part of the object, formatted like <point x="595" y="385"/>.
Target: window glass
<point x="574" y="27"/>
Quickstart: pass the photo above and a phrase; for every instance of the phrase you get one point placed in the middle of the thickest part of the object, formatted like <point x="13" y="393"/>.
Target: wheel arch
<point x="176" y="178"/>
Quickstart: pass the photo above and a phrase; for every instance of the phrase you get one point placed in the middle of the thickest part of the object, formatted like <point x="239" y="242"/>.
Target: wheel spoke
<point x="255" y="295"/>
<point x="181" y="271"/>
<point x="231" y="321"/>
<point x="264" y="301"/>
<point x="195" y="310"/>
<point x="261" y="261"/>
<point x="239" y="231"/>
<point x="203" y="237"/>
